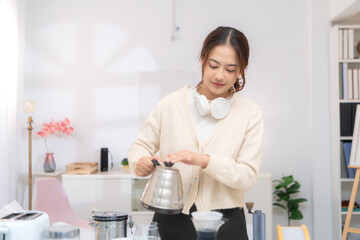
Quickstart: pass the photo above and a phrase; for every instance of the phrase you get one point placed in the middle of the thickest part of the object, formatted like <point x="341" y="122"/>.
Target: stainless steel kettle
<point x="163" y="193"/>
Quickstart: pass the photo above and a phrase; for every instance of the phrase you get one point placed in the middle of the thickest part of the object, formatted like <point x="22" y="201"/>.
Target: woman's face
<point x="220" y="72"/>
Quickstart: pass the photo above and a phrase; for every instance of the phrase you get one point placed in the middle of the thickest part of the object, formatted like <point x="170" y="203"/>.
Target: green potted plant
<point x="285" y="188"/>
<point x="125" y="164"/>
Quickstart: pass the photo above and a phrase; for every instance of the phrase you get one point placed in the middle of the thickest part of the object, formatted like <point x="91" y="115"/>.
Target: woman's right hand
<point x="145" y="167"/>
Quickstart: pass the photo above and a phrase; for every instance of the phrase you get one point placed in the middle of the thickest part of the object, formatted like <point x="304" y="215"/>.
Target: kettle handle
<point x="155" y="162"/>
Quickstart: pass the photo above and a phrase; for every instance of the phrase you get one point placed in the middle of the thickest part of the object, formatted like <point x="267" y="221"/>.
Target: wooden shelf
<point x="349" y="101"/>
<point x="347" y="180"/>
<point x="343" y="213"/>
<point x="349" y="61"/>
<point x="345" y="138"/>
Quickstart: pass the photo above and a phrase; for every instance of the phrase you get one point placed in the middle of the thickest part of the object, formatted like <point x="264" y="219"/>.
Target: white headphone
<point x="218" y="108"/>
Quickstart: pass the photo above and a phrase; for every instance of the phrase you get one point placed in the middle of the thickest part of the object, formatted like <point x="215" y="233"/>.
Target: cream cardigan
<point x="235" y="147"/>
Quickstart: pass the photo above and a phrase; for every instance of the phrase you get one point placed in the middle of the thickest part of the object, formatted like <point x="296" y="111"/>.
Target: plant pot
<point x="49" y="163"/>
<point x="126" y="168"/>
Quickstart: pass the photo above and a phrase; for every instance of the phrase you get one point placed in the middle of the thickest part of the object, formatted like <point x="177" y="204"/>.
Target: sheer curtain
<point x="8" y="98"/>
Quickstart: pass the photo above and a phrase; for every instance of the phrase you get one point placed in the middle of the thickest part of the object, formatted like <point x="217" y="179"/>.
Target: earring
<point x="241" y="81"/>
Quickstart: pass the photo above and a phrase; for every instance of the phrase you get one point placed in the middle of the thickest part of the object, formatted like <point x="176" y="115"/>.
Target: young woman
<point x="210" y="132"/>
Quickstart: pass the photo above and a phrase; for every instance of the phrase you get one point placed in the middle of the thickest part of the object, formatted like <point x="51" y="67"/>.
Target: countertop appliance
<point x="27" y="225"/>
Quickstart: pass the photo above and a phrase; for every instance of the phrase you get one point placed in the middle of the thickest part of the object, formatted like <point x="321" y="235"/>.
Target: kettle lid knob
<point x="168" y="164"/>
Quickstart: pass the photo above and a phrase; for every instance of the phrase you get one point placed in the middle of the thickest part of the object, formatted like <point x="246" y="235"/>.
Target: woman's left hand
<point x="190" y="158"/>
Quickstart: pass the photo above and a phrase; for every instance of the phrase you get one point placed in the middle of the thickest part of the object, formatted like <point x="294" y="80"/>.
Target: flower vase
<point x="49" y="163"/>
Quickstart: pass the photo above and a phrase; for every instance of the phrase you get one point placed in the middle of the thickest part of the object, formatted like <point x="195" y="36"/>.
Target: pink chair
<point x="51" y="198"/>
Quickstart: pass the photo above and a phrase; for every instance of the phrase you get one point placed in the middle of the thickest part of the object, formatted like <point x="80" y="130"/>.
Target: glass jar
<point x="146" y="231"/>
<point x="61" y="232"/>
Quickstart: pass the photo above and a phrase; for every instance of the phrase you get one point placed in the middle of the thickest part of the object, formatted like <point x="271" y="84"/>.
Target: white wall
<point x="320" y="113"/>
<point x="86" y="59"/>
<point x="8" y="98"/>
<point x="343" y="9"/>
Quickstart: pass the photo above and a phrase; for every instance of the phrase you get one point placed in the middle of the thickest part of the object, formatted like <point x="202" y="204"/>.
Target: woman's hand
<point x="190" y="158"/>
<point x="145" y="167"/>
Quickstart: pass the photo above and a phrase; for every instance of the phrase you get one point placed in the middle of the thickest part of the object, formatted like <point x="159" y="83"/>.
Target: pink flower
<point x="42" y="134"/>
<point x="61" y="127"/>
<point x="53" y="127"/>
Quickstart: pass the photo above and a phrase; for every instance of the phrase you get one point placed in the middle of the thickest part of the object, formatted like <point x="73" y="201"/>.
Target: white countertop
<point x="126" y="174"/>
<point x="115" y="174"/>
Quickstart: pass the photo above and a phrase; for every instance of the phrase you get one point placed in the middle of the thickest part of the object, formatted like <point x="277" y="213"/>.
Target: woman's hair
<point x="234" y="38"/>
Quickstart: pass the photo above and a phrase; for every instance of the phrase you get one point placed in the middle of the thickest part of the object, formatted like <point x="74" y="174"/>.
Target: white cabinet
<point x="81" y="194"/>
<point x="108" y="191"/>
<point x="113" y="194"/>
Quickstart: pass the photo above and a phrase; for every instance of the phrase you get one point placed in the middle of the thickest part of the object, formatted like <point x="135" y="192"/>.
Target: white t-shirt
<point x="203" y="124"/>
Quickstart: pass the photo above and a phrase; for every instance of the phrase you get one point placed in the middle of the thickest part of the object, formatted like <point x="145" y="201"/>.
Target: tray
<point x="82" y="168"/>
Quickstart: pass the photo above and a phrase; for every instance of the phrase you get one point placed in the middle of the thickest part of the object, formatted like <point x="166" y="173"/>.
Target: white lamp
<point x="29" y="107"/>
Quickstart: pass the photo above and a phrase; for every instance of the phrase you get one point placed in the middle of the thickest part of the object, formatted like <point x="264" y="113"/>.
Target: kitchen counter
<point x="121" y="191"/>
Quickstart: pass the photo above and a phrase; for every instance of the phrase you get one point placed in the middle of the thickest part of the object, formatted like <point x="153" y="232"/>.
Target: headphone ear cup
<point x="219" y="108"/>
<point x="202" y="104"/>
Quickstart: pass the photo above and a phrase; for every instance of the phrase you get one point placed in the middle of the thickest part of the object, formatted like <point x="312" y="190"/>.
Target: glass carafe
<point x="146" y="231"/>
<point x="207" y="224"/>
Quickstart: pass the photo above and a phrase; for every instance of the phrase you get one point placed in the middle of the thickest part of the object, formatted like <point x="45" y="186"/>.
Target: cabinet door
<point x="113" y="195"/>
<point x="81" y="195"/>
<point x="138" y="186"/>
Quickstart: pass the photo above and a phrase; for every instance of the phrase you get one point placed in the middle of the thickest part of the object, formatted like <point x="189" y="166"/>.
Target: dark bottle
<point x="104" y="159"/>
